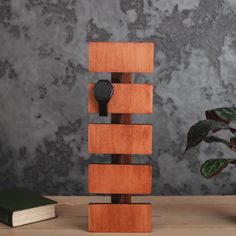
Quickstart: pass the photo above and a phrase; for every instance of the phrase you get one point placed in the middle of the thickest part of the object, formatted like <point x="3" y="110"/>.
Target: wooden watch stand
<point x="121" y="139"/>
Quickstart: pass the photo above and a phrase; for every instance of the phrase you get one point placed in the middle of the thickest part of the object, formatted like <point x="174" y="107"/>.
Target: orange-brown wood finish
<point x="119" y="179"/>
<point x="119" y="139"/>
<point x="121" y="57"/>
<point x="118" y="118"/>
<point x="120" y="218"/>
<point x="127" y="98"/>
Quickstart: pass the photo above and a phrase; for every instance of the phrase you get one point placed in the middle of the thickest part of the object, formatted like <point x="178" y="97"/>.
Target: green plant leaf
<point x="223" y="114"/>
<point x="233" y="143"/>
<point x="211" y="139"/>
<point x="213" y="167"/>
<point x="200" y="130"/>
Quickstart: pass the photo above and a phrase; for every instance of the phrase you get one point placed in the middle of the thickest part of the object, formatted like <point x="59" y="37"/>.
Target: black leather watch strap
<point x="102" y="106"/>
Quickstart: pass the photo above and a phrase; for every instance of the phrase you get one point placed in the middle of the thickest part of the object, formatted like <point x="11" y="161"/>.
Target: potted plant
<point x="204" y="130"/>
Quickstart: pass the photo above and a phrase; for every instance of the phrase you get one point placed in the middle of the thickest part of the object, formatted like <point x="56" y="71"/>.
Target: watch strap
<point x="102" y="106"/>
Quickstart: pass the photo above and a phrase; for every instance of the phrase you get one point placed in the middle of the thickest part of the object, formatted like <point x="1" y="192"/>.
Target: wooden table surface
<point x="174" y="216"/>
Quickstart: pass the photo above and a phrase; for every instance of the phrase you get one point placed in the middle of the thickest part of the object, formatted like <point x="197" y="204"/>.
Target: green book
<point x="20" y="206"/>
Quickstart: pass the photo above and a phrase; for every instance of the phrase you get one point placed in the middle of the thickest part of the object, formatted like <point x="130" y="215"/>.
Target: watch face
<point x="103" y="90"/>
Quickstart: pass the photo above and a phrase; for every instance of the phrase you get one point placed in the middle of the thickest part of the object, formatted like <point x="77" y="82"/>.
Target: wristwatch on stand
<point x="103" y="91"/>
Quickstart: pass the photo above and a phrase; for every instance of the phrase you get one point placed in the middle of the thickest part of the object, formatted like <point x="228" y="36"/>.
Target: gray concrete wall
<point x="44" y="77"/>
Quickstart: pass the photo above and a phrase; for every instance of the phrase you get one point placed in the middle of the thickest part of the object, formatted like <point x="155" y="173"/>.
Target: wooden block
<point x="120" y="218"/>
<point x="119" y="179"/>
<point x="119" y="139"/>
<point x="121" y="57"/>
<point x="127" y="98"/>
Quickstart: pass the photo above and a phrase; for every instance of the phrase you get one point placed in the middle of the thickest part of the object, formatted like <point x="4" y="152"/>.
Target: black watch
<point x="103" y="90"/>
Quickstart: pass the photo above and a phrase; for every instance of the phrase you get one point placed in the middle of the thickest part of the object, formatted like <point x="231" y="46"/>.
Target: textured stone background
<point x="44" y="77"/>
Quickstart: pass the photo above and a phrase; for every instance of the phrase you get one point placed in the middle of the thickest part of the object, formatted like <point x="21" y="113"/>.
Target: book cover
<point x="19" y="199"/>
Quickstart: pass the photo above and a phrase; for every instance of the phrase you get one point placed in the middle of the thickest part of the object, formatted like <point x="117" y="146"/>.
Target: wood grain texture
<point x="127" y="98"/>
<point x="119" y="179"/>
<point x="120" y="218"/>
<point x="117" y="118"/>
<point x="119" y="139"/>
<point x="121" y="57"/>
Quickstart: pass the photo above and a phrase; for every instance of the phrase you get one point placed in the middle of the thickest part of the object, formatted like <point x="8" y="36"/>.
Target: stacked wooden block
<point x="121" y="139"/>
